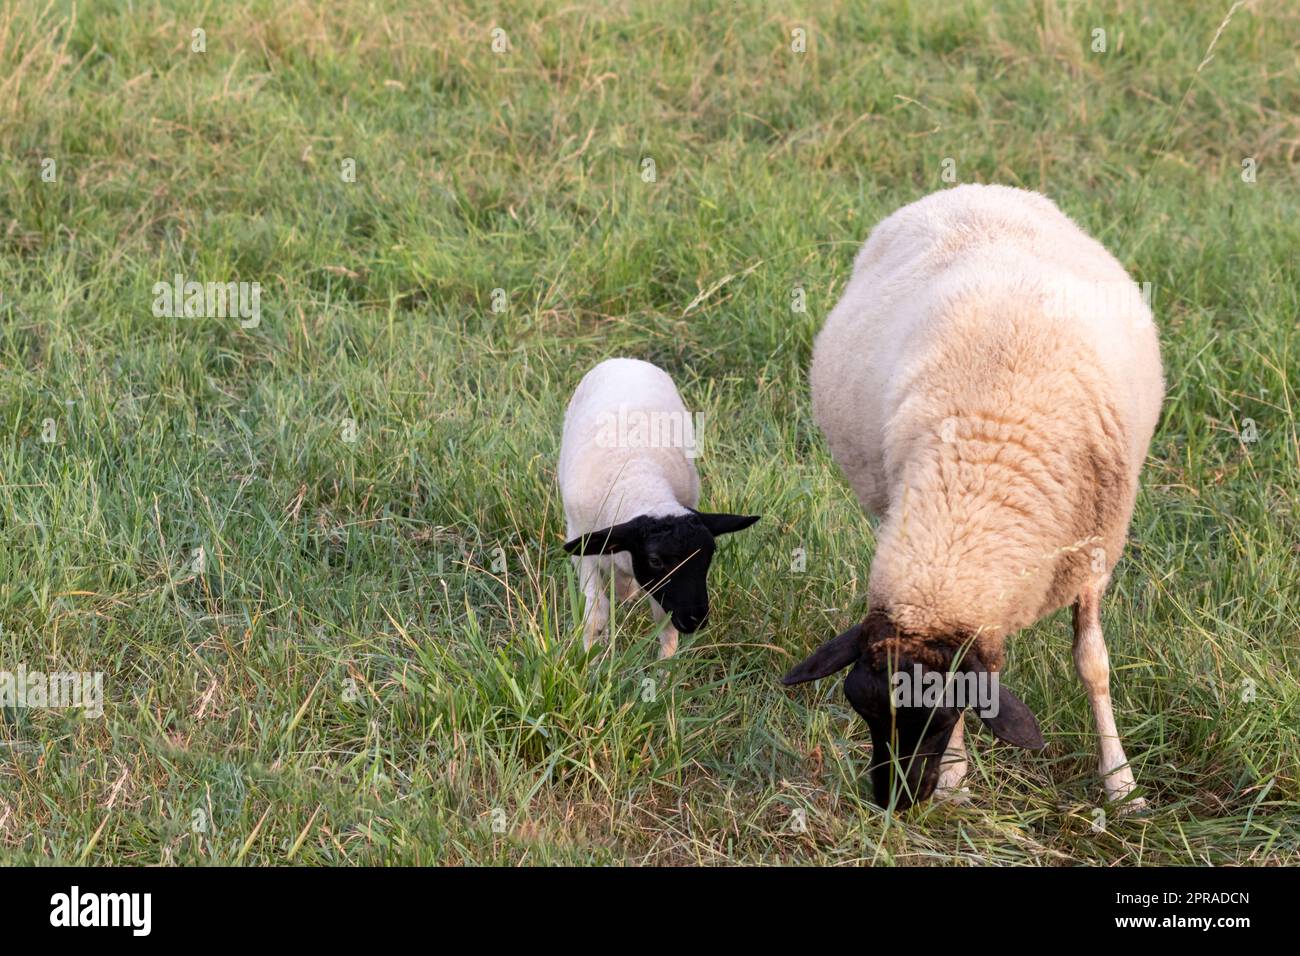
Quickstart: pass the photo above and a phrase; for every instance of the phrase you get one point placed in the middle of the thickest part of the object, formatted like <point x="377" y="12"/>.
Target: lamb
<point x="630" y="489"/>
<point x="989" y="383"/>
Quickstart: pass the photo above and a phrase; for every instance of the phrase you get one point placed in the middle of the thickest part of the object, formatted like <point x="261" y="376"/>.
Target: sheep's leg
<point x="625" y="586"/>
<point x="595" y="619"/>
<point x="1093" y="666"/>
<point x="953" y="765"/>
<point x="668" y="636"/>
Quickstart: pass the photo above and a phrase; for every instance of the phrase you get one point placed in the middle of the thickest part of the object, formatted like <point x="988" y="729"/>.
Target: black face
<point x="670" y="555"/>
<point x="672" y="565"/>
<point x="909" y="736"/>
<point x="907" y="742"/>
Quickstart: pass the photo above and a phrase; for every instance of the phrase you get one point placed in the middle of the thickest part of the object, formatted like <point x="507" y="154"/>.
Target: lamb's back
<point x="603" y="476"/>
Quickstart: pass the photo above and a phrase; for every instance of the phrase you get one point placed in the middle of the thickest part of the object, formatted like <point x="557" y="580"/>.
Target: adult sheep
<point x="989" y="384"/>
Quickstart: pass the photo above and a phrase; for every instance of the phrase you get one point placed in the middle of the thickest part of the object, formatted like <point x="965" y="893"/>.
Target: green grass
<point x="348" y="680"/>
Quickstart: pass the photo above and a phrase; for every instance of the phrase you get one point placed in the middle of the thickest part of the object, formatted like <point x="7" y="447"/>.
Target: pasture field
<point x="315" y="553"/>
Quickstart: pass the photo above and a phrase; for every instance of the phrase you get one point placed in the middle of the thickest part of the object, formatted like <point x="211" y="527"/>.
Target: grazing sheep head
<point x="890" y="687"/>
<point x="671" y="555"/>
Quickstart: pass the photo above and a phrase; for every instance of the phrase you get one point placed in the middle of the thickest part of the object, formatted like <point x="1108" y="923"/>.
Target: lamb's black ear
<point x="722" y="523"/>
<point x="619" y="537"/>
<point x="835" y="655"/>
<point x="1015" y="723"/>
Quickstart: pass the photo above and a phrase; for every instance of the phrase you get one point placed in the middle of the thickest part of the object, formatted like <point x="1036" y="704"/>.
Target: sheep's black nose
<point x="901" y="802"/>
<point x="689" y="623"/>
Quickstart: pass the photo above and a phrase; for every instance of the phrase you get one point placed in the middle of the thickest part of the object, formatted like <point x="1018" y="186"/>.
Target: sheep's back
<point x="983" y="312"/>
<point x="603" y="479"/>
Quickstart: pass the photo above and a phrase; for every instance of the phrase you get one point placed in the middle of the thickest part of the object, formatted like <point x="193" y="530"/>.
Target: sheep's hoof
<point x="953" y="796"/>
<point x="1136" y="807"/>
<point x="952" y="772"/>
<point x="668" y="644"/>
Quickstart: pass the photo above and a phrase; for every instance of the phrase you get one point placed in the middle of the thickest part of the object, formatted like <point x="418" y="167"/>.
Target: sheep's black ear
<point x="619" y="537"/>
<point x="835" y="655"/>
<point x="722" y="523"/>
<point x="1015" y="723"/>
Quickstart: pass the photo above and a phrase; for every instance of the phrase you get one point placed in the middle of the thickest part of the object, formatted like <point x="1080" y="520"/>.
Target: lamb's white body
<point x="608" y="475"/>
<point x="989" y="383"/>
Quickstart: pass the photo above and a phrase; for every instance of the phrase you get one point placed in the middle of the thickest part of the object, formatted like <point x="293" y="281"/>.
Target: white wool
<point x="986" y="359"/>
<point x="624" y="454"/>
<point x="609" y="472"/>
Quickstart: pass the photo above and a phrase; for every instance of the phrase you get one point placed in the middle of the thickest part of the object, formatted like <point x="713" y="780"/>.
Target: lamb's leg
<point x="625" y="586"/>
<point x="1093" y="666"/>
<point x="668" y="636"/>
<point x="953" y="766"/>
<point x="590" y="569"/>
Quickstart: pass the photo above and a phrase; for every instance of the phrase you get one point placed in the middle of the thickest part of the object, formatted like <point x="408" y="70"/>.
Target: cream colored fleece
<point x="989" y="383"/>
